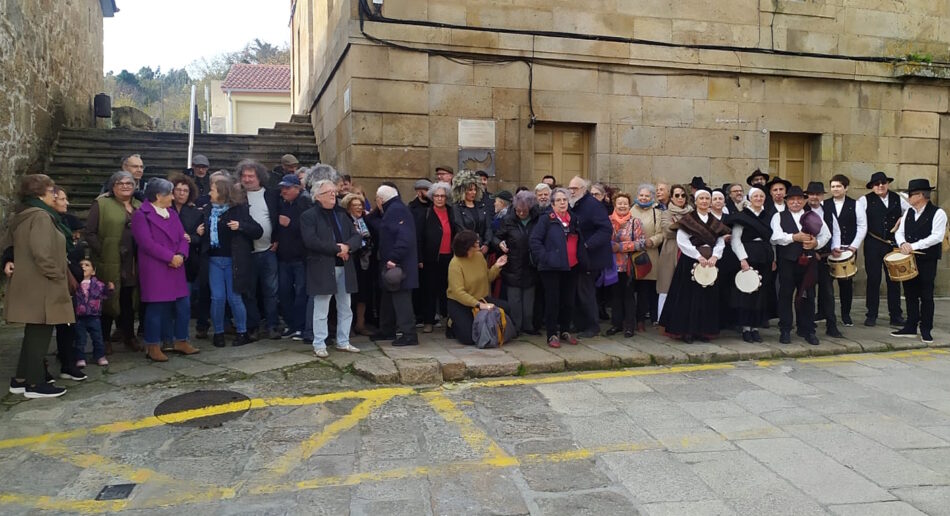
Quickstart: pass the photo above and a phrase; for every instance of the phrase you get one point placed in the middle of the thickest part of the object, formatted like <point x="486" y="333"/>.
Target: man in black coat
<point x="329" y="237"/>
<point x="594" y="224"/>
<point x="291" y="256"/>
<point x="399" y="266"/>
<point x="418" y="207"/>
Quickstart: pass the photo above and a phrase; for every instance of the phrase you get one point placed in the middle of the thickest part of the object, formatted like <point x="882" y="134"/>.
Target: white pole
<point x="191" y="125"/>
<point x="207" y="109"/>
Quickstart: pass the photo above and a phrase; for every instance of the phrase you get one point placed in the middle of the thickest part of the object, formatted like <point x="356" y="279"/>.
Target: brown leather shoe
<point x="133" y="344"/>
<point x="183" y="347"/>
<point x="154" y="353"/>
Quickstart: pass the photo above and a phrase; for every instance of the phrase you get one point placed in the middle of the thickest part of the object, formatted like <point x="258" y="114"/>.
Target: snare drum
<point x="844" y="266"/>
<point x="900" y="266"/>
<point x="748" y="281"/>
<point x="705" y="276"/>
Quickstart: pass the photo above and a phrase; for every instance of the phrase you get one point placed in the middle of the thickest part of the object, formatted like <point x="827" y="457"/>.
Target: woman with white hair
<point x="520" y="276"/>
<point x="644" y="273"/>
<point x="435" y="252"/>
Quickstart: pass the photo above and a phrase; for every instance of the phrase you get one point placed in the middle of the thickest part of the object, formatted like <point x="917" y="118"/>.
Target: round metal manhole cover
<point x="190" y="409"/>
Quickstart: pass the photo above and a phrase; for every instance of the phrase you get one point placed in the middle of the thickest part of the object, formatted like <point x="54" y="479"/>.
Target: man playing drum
<point x="853" y="224"/>
<point x="921" y="232"/>
<point x="883" y="209"/>
<point x="791" y="243"/>
<point x="826" y="288"/>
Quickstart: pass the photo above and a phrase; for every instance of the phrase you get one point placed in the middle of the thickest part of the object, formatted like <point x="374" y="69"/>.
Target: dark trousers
<point x="88" y="326"/>
<point x="874" y="252"/>
<point x="125" y="322"/>
<point x="462" y="318"/>
<point x="396" y="313"/>
<point x="435" y="282"/>
<point x="646" y="298"/>
<point x="586" y="317"/>
<point x="292" y="289"/>
<point x="790" y="276"/>
<point x="826" y="296"/>
<point x="262" y="296"/>
<point x="560" y="287"/>
<point x="202" y="302"/>
<point x="65" y="339"/>
<point x="35" y="343"/>
<point x="623" y="303"/>
<point x="846" y="294"/>
<point x="920" y="295"/>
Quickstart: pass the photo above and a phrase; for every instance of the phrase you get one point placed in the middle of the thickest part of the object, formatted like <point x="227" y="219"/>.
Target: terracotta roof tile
<point x="257" y="77"/>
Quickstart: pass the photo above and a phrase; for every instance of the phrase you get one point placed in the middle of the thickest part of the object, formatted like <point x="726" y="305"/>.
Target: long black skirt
<point x="690" y="308"/>
<point x="753" y="309"/>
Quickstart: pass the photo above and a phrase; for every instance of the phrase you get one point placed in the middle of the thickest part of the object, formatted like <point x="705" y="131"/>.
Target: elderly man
<point x="542" y="192"/>
<point x="921" y="231"/>
<point x="418" y="207"/>
<point x="826" y="289"/>
<point x="329" y="237"/>
<point x="264" y="206"/>
<point x="594" y="224"/>
<point x="792" y="242"/>
<point x="199" y="173"/>
<point x="291" y="256"/>
<point x="883" y="209"/>
<point x="444" y="173"/>
<point x="736" y="200"/>
<point x="399" y="267"/>
<point x="662" y="195"/>
<point x="288" y="165"/>
<point x="132" y="164"/>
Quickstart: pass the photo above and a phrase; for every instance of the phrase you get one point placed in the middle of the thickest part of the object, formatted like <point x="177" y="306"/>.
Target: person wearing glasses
<point x="133" y="165"/>
<point x="677" y="208"/>
<point x="883" y="209"/>
<point x="469" y="285"/>
<point x="921" y="231"/>
<point x="594" y="223"/>
<point x="109" y="235"/>
<point x="435" y="228"/>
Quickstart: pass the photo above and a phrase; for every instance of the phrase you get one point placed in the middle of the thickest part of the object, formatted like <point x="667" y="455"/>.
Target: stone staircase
<point x="82" y="159"/>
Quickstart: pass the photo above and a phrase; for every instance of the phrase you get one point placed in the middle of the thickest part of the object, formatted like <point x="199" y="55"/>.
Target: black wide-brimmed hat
<point x="697" y="182"/>
<point x="756" y="173"/>
<point x="919" y="185"/>
<point x="815" y="187"/>
<point x="794" y="191"/>
<point x="778" y="180"/>
<point x="878" y="176"/>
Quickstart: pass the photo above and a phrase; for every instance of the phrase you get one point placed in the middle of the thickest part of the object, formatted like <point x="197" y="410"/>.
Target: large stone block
<point x="509" y="16"/>
<point x="565" y="106"/>
<point x="727" y="11"/>
<point x="919" y="124"/>
<point x="629" y="170"/>
<point x="460" y="101"/>
<point x="712" y="33"/>
<point x="507" y="102"/>
<point x="871" y="23"/>
<point x="650" y="85"/>
<point x="737" y="89"/>
<point x="411" y="130"/>
<point x="919" y="151"/>
<point x="443" y="71"/>
<point x="680" y="169"/>
<point x="857" y="45"/>
<point x="592" y="22"/>
<point x="640" y="139"/>
<point x="716" y="114"/>
<point x="814" y="92"/>
<point x="653" y="29"/>
<point x="907" y="172"/>
<point x="681" y="141"/>
<point x="510" y="75"/>
<point x="407" y="9"/>
<point x="918" y="97"/>
<point x="814" y="42"/>
<point x="377" y="62"/>
<point x="555" y="78"/>
<point x="389" y="96"/>
<point x="667" y="112"/>
<point x="392" y="162"/>
<point x="615" y="83"/>
<point x="687" y="86"/>
<point x="365" y="128"/>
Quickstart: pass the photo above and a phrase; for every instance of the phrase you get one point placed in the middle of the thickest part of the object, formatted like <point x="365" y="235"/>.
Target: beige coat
<point x="650" y="221"/>
<point x="38" y="292"/>
<point x="669" y="254"/>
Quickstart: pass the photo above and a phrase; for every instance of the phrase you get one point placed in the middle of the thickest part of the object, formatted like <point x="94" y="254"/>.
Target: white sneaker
<point x="348" y="347"/>
<point x="321" y="353"/>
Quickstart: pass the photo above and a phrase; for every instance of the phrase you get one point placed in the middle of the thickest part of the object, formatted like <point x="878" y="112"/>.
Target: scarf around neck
<point x="35" y="202"/>
<point x="216" y="211"/>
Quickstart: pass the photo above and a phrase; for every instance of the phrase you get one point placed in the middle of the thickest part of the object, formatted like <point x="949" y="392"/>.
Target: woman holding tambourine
<point x="692" y="305"/>
<point x="751" y="232"/>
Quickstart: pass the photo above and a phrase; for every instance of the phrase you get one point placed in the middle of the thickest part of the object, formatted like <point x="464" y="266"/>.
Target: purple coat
<point x="158" y="240"/>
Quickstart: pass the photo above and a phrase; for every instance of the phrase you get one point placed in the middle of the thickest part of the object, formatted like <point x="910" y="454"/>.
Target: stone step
<point x="174" y="158"/>
<point x="99" y="135"/>
<point x="300" y="119"/>
<point x="290" y="128"/>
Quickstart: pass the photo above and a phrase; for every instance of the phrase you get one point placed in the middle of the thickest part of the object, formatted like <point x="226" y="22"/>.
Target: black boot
<point x="241" y="339"/>
<point x="218" y="340"/>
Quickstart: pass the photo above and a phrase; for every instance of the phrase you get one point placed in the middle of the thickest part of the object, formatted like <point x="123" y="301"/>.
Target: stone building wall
<point x="51" y="68"/>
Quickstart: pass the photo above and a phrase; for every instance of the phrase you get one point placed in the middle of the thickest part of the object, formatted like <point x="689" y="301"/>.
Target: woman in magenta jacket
<point x="162" y="250"/>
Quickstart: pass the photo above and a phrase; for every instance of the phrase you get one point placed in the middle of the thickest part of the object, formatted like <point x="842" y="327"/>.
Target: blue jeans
<point x="167" y="314"/>
<point x="263" y="278"/>
<point x="89" y="325"/>
<point x="221" y="282"/>
<point x="293" y="293"/>
<point x="344" y="315"/>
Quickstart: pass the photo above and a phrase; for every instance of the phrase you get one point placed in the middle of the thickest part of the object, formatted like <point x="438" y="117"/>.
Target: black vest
<point x="915" y="230"/>
<point x="828" y="216"/>
<point x="881" y="219"/>
<point x="847" y="219"/>
<point x="794" y="250"/>
<point x="761" y="251"/>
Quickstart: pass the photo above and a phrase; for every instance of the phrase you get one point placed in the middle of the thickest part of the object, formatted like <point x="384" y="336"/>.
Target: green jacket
<point x="112" y="249"/>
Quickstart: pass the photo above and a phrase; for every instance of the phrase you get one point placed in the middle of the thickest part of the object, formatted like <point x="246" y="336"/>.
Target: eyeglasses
<point x="679" y="195"/>
<point x="438" y="196"/>
<point x="327" y="192"/>
<point x="878" y="183"/>
<point x="125" y="183"/>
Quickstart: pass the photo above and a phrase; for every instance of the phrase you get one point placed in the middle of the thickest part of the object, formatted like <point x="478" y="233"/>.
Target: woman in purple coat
<point x="162" y="250"/>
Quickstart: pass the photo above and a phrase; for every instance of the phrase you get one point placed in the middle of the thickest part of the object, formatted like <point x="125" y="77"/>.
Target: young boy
<point x="88" y="301"/>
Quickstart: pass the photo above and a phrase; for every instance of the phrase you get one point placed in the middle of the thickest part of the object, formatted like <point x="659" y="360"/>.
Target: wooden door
<point x="561" y="150"/>
<point x="790" y="157"/>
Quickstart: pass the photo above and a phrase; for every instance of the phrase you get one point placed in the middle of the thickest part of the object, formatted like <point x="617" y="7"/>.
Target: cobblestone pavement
<point x="859" y="434"/>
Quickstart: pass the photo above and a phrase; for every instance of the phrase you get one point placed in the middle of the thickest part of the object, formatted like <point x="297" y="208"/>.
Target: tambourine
<point x="748" y="281"/>
<point x="705" y="276"/>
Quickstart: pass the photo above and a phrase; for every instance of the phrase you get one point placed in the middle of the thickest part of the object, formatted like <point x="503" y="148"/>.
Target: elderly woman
<point x="644" y="208"/>
<point x="677" y="208"/>
<point x="751" y="243"/>
<point x="469" y="282"/>
<point x="364" y="262"/>
<point x="728" y="265"/>
<point x="693" y="309"/>
<point x="162" y="249"/>
<point x="559" y="252"/>
<point x="108" y="232"/>
<point x="470" y="212"/>
<point x="227" y="238"/>
<point x="519" y="276"/>
<point x="38" y="293"/>
<point x="435" y="231"/>
<point x="627" y="243"/>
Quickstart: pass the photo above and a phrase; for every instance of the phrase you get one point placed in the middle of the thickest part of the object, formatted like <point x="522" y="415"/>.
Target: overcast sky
<point x="173" y="33"/>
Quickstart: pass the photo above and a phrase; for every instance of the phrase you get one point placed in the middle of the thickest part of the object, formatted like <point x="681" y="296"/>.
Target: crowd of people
<point x="299" y="253"/>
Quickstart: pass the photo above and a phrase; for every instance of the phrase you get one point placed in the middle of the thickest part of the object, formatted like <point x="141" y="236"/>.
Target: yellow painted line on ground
<point x="103" y="464"/>
<point x="833" y="359"/>
<point x="598" y="375"/>
<point x="48" y="503"/>
<point x="476" y="438"/>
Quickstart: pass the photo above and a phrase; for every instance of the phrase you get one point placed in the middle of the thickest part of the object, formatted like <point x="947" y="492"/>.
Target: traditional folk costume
<point x="751" y="241"/>
<point x="883" y="213"/>
<point x="826" y="288"/>
<point x="924" y="230"/>
<point x="728" y="266"/>
<point x="692" y="310"/>
<point x="853" y="224"/>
